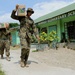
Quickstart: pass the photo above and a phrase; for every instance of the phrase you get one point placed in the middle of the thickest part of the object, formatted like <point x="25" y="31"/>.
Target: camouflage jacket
<point x="4" y="34"/>
<point x="27" y="26"/>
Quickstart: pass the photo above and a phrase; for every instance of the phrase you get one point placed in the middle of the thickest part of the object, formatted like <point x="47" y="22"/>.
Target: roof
<point x="56" y="13"/>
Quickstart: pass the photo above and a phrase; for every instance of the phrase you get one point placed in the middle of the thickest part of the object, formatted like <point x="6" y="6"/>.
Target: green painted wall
<point x="59" y="23"/>
<point x="15" y="38"/>
<point x="67" y="19"/>
<point x="58" y="27"/>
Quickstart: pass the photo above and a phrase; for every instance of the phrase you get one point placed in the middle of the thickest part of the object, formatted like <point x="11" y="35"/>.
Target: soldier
<point x="27" y="28"/>
<point x="5" y="42"/>
<point x="1" y="43"/>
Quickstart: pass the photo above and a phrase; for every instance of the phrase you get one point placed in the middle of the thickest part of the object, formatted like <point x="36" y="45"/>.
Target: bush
<point x="43" y="37"/>
<point x="48" y="38"/>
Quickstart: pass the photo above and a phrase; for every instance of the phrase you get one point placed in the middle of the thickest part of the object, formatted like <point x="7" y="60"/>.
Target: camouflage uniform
<point x="4" y="42"/>
<point x="27" y="28"/>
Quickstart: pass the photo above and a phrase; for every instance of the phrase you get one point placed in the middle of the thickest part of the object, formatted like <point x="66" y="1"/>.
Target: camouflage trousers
<point x="5" y="45"/>
<point x="25" y="48"/>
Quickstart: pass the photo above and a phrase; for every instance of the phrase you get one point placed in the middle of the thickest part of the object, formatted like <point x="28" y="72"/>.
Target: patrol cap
<point x="30" y="10"/>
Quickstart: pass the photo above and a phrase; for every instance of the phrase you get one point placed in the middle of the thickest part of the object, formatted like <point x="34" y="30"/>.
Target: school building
<point x="62" y="21"/>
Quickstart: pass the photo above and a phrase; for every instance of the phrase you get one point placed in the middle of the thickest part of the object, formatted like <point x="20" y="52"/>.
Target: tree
<point x="13" y="25"/>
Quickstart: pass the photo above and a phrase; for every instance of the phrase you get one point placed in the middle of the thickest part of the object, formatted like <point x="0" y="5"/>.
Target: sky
<point x="40" y="7"/>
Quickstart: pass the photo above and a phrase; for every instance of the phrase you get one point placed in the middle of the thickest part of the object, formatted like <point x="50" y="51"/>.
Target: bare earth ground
<point x="47" y="62"/>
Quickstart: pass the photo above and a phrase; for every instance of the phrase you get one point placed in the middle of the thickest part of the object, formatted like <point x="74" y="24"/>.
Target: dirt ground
<point x="62" y="57"/>
<point x="44" y="62"/>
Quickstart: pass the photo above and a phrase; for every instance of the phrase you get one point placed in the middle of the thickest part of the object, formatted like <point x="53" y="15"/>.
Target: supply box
<point x="21" y="10"/>
<point x="4" y="25"/>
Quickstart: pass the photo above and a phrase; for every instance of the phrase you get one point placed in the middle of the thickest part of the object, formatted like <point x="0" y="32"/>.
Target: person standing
<point x="5" y="37"/>
<point x="27" y="28"/>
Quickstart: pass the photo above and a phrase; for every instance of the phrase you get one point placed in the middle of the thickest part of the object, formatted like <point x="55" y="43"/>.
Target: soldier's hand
<point x="17" y="6"/>
<point x="7" y="25"/>
<point x="38" y="39"/>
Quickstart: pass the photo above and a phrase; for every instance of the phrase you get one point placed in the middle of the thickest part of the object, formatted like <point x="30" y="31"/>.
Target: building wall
<point x="15" y="38"/>
<point x="60" y="23"/>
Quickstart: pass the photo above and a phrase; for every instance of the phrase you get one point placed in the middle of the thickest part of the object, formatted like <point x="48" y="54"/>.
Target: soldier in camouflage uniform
<point x="27" y="28"/>
<point x="5" y="42"/>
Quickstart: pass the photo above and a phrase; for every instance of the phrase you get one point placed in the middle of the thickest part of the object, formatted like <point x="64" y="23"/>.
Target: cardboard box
<point x="21" y="10"/>
<point x="4" y="25"/>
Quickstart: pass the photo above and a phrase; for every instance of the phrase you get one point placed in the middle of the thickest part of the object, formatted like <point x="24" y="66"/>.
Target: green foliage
<point x="52" y="36"/>
<point x="34" y="50"/>
<point x="1" y="72"/>
<point x="44" y="37"/>
<point x="13" y="25"/>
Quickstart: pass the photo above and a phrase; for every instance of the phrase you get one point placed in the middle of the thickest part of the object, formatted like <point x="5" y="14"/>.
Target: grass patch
<point x="34" y="50"/>
<point x="1" y="72"/>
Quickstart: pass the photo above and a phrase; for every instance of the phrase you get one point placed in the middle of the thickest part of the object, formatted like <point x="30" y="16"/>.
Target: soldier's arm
<point x="13" y="15"/>
<point x="35" y="31"/>
<point x="8" y="34"/>
<point x="10" y="38"/>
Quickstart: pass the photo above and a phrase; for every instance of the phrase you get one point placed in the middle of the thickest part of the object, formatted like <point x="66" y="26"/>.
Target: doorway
<point x="70" y="30"/>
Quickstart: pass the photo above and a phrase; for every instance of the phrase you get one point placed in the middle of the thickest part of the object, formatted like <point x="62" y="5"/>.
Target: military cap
<point x="30" y="10"/>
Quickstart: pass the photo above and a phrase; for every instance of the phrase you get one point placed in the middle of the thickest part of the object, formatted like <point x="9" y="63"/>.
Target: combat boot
<point x="7" y="58"/>
<point x="22" y="63"/>
<point x="2" y="57"/>
<point x="26" y="65"/>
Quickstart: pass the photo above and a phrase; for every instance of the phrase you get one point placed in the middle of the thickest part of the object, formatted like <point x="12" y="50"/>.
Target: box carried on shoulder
<point x="21" y="10"/>
<point x="2" y="26"/>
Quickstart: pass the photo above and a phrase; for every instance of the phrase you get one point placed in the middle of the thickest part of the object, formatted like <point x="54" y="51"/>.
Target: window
<point x="44" y="29"/>
<point x="54" y="27"/>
